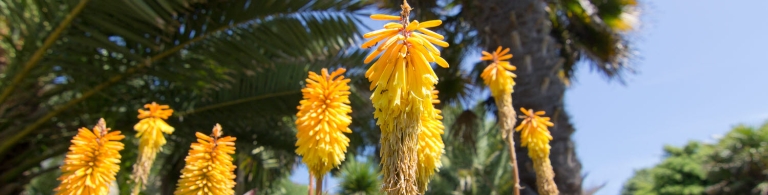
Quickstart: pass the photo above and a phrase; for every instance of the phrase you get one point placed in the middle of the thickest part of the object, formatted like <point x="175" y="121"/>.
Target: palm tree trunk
<point x="523" y="25"/>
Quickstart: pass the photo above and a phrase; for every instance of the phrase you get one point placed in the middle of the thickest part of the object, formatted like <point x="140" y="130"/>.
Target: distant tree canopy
<point x="736" y="164"/>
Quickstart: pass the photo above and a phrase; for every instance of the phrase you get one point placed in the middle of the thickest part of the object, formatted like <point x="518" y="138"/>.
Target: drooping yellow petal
<point x="431" y="39"/>
<point x="506" y="57"/>
<point x="379" y="33"/>
<point x="92" y="162"/>
<point x="440" y="61"/>
<point x="431" y="33"/>
<point x="393" y="25"/>
<point x="384" y="17"/>
<point x="209" y="168"/>
<point x="430" y="24"/>
<point x="412" y="26"/>
<point x="323" y="118"/>
<point x="376" y="40"/>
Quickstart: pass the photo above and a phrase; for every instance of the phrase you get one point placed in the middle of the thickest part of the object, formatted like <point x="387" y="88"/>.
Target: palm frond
<point x="173" y="50"/>
<point x="585" y="29"/>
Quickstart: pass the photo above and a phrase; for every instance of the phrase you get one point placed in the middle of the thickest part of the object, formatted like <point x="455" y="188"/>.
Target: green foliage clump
<point x="640" y="184"/>
<point x="359" y="178"/>
<point x="739" y="164"/>
<point x="736" y="164"/>
<point x="681" y="172"/>
<point x="476" y="159"/>
<point x="286" y="187"/>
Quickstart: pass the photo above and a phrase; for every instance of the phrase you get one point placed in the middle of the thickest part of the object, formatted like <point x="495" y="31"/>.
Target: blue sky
<point x="701" y="70"/>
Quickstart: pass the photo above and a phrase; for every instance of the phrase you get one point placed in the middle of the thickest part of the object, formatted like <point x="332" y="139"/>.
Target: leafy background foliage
<point x="239" y="63"/>
<point x="736" y="164"/>
<point x="359" y="178"/>
<point x="66" y="63"/>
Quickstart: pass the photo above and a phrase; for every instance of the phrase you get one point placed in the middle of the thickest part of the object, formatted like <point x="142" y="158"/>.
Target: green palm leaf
<point x="117" y="55"/>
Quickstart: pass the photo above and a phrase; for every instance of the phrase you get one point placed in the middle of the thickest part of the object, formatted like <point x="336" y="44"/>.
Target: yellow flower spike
<point x="323" y="118"/>
<point x="402" y="80"/>
<point x="151" y="139"/>
<point x="431" y="146"/>
<point x="92" y="162"/>
<point x="497" y="75"/>
<point x="500" y="80"/>
<point x="535" y="135"/>
<point x="209" y="168"/>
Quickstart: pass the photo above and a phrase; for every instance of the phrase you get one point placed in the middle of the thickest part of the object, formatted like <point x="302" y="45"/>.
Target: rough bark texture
<point x="507" y="120"/>
<point x="523" y="26"/>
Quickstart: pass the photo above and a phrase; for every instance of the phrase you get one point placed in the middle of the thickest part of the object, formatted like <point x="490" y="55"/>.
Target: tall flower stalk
<point x="92" y="162"/>
<point x="534" y="134"/>
<point x="431" y="146"/>
<point x="209" y="168"/>
<point x="403" y="79"/>
<point x="323" y="118"/>
<point x="499" y="78"/>
<point x="151" y="140"/>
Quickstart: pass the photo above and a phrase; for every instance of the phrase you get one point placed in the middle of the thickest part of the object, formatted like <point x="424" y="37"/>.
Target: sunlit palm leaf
<point x="122" y="54"/>
<point x="590" y="30"/>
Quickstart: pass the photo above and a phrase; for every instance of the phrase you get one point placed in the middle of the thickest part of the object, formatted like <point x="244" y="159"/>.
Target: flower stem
<point x="545" y="176"/>
<point x="310" y="190"/>
<point x="136" y="189"/>
<point x="507" y="121"/>
<point x="319" y="185"/>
